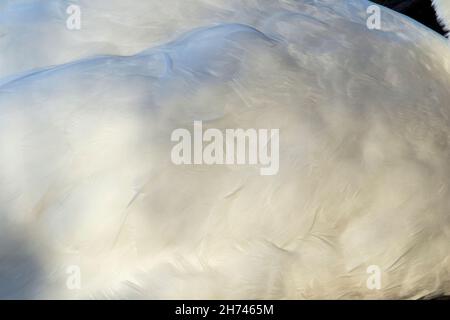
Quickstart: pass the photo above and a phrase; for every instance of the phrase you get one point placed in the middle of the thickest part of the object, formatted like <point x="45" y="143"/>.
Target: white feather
<point x="443" y="12"/>
<point x="86" y="178"/>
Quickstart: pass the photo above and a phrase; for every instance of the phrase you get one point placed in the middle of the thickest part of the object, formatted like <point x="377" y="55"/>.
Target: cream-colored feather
<point x="86" y="181"/>
<point x="443" y="12"/>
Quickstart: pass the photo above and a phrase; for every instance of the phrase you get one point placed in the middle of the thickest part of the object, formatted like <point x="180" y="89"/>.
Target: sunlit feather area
<point x="93" y="206"/>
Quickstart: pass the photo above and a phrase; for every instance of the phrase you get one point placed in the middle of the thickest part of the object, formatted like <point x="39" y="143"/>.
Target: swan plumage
<point x="443" y="13"/>
<point x="85" y="171"/>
